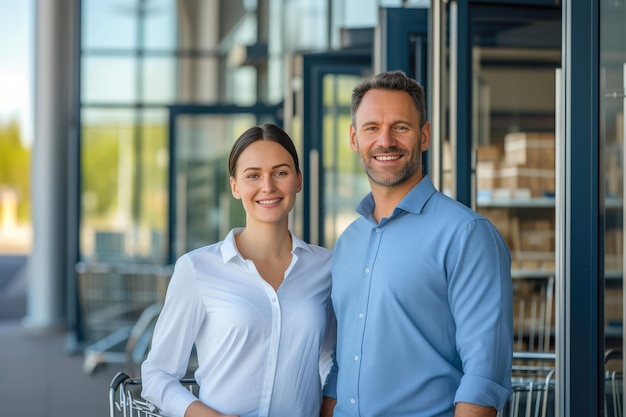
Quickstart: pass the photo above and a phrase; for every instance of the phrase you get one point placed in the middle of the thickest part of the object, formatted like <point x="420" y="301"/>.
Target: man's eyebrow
<point x="395" y="122"/>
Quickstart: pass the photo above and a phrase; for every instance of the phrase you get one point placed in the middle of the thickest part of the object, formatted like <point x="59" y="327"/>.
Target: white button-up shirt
<point x="260" y="352"/>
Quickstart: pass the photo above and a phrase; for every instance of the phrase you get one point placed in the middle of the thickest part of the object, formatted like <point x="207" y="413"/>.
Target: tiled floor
<point x="38" y="377"/>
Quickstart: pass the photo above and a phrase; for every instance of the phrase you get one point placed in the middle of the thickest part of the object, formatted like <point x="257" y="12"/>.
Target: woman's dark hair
<point x="390" y="80"/>
<point x="267" y="131"/>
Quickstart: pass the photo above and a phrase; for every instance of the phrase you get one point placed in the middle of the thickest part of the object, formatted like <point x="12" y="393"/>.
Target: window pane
<point x="109" y="24"/>
<point x="109" y="80"/>
<point x="160" y="24"/>
<point x="197" y="80"/>
<point x="124" y="186"/>
<point x="205" y="209"/>
<point x="159" y="80"/>
<point x="612" y="103"/>
<point x="344" y="182"/>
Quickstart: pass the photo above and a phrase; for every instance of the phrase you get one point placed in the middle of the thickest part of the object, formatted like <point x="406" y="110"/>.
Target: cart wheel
<point x="91" y="364"/>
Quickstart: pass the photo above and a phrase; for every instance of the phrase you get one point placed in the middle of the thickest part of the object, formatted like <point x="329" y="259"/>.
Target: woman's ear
<point x="299" y="182"/>
<point x="234" y="189"/>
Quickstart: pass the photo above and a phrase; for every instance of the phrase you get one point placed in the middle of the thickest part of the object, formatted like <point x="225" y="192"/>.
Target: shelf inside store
<point x="531" y="274"/>
<point x="536" y="202"/>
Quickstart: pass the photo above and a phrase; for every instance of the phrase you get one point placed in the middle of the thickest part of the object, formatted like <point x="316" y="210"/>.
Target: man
<point x="421" y="283"/>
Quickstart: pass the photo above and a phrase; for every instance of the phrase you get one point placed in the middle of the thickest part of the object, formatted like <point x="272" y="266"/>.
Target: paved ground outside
<point x="38" y="377"/>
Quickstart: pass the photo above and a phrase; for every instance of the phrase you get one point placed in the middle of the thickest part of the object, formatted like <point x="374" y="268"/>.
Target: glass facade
<point x="612" y="103"/>
<point x="153" y="187"/>
<point x="138" y="57"/>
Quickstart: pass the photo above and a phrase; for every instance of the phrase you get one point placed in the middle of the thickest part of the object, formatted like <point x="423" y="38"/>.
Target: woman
<point x="256" y="305"/>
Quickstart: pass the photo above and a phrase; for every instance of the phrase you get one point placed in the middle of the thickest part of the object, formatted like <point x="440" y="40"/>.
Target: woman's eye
<point x="280" y="173"/>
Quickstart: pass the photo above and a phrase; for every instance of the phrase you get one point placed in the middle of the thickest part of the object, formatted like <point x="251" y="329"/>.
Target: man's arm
<point x="328" y="405"/>
<point x="473" y="410"/>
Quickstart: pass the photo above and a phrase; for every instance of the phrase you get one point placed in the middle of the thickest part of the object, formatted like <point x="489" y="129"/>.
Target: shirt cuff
<point x="330" y="386"/>
<point x="179" y="403"/>
<point x="482" y="391"/>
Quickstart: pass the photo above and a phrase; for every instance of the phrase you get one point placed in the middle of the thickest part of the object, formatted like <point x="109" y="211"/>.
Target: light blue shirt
<point x="423" y="301"/>
<point x="261" y="352"/>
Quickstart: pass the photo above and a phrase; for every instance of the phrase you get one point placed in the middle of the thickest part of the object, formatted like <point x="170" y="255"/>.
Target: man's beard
<point x="406" y="172"/>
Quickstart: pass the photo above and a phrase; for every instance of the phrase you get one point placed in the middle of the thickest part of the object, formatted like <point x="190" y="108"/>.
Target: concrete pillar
<point x="48" y="264"/>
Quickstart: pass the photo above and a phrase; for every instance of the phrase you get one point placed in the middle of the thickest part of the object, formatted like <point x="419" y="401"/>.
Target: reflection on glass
<point x="205" y="209"/>
<point x="160" y="24"/>
<point x="100" y="16"/>
<point x="612" y="104"/>
<point x="159" y="80"/>
<point x="514" y="56"/>
<point x="109" y="79"/>
<point x="195" y="80"/>
<point x="514" y="145"/>
<point x="345" y="184"/>
<point x="124" y="186"/>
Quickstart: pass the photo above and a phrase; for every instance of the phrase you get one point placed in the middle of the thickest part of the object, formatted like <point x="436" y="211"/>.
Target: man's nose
<point x="386" y="138"/>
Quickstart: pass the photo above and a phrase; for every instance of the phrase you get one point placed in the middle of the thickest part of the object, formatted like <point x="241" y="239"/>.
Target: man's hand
<point x="473" y="410"/>
<point x="328" y="405"/>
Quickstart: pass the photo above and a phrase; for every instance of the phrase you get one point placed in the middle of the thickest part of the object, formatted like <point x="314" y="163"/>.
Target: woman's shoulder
<point x="314" y="249"/>
<point x="320" y="250"/>
<point x="200" y="253"/>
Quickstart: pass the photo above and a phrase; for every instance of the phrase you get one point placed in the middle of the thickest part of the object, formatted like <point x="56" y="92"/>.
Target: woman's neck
<point x="264" y="242"/>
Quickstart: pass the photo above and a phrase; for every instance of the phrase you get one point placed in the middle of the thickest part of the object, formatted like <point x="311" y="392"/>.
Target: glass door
<point x="403" y="45"/>
<point x="201" y="207"/>
<point x="612" y="105"/>
<point x="498" y="133"/>
<point x="333" y="180"/>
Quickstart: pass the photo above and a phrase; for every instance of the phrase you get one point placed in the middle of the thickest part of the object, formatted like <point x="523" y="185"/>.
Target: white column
<point x="48" y="270"/>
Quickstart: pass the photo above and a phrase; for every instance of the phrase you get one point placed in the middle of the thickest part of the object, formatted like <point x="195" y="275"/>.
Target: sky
<point x="16" y="58"/>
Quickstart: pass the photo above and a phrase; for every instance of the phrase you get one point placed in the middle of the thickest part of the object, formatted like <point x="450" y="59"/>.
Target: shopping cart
<point x="120" y="304"/>
<point x="532" y="381"/>
<point x="613" y="384"/>
<point x="125" y="397"/>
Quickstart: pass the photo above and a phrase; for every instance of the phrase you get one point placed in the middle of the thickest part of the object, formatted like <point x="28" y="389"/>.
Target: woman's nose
<point x="268" y="183"/>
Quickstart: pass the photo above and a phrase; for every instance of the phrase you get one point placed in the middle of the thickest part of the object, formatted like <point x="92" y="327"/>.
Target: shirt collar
<point x="413" y="202"/>
<point x="228" y="248"/>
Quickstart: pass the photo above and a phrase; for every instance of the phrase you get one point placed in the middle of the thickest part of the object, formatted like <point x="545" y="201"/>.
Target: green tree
<point x="15" y="165"/>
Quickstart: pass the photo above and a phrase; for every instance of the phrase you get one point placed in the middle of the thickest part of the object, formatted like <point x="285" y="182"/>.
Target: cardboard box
<point x="487" y="175"/>
<point x="537" y="240"/>
<point x="489" y="153"/>
<point x="530" y="150"/>
<point x="538" y="181"/>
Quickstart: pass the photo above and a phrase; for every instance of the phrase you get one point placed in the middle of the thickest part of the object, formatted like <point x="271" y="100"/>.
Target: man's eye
<point x="280" y="173"/>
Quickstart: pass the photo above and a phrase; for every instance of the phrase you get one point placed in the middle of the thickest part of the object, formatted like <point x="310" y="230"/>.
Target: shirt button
<point x="352" y="401"/>
<point x="361" y="315"/>
<point x="378" y="230"/>
<point x="356" y="358"/>
<point x="367" y="270"/>
<point x="274" y="300"/>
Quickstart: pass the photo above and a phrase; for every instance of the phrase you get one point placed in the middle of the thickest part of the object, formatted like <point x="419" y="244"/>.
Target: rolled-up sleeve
<point x="480" y="295"/>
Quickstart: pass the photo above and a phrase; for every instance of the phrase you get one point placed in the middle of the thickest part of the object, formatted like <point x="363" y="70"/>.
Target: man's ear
<point x="353" y="140"/>
<point x="234" y="189"/>
<point x="425" y="136"/>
